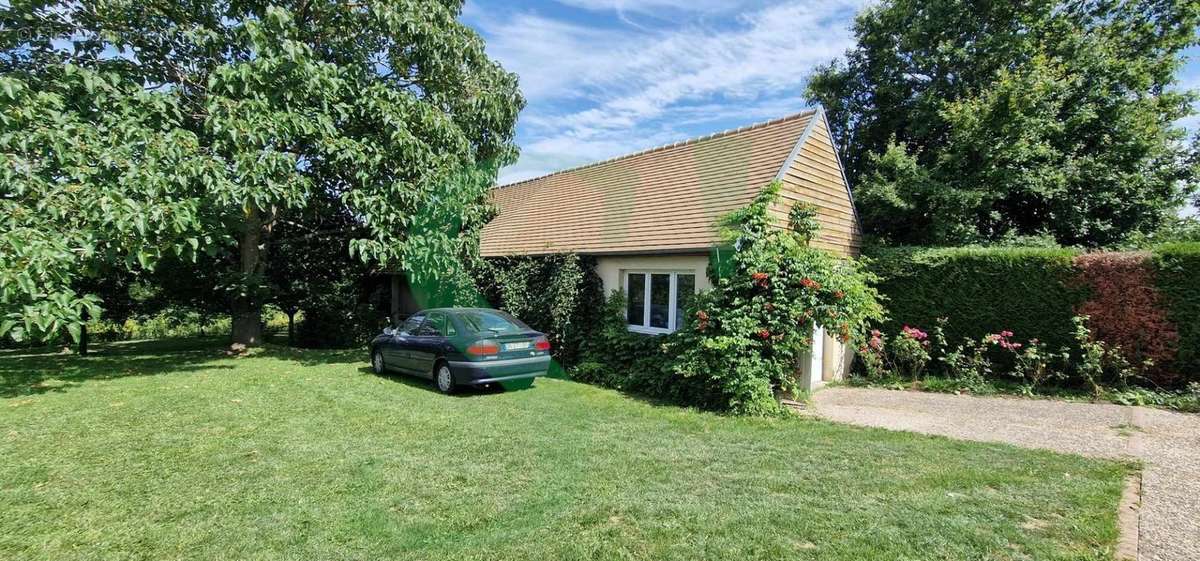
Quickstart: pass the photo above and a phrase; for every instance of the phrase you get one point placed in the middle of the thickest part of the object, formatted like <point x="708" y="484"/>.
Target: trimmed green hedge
<point x="981" y="290"/>
<point x="1178" y="279"/>
<point x="1033" y="292"/>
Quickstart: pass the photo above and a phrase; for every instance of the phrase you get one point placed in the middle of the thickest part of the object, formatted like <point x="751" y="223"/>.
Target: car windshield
<point x="483" y="321"/>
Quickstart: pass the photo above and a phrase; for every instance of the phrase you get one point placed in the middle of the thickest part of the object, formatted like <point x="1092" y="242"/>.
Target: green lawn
<point x="174" y="451"/>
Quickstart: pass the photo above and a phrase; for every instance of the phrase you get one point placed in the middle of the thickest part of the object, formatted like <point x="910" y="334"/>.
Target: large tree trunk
<point x="247" y="306"/>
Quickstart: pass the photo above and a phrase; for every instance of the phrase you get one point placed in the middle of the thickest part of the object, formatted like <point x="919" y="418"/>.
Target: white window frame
<point x="672" y="305"/>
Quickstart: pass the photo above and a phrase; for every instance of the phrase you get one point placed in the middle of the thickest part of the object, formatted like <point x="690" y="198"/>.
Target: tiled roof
<point x="665" y="199"/>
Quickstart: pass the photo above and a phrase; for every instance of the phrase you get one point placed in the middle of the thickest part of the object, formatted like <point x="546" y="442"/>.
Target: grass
<point x="174" y="451"/>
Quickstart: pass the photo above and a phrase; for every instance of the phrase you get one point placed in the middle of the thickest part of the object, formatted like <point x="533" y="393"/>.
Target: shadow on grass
<point x="36" y="371"/>
<point x="45" y="370"/>
<point x="427" y="384"/>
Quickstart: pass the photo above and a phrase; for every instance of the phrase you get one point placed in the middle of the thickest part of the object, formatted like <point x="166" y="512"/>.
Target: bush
<point x="1126" y="311"/>
<point x="616" y="358"/>
<point x="741" y="341"/>
<point x="559" y="295"/>
<point x="1145" y="306"/>
<point x="1177" y="275"/>
<point x="1028" y="291"/>
<point x="343" y="314"/>
<point x="746" y="336"/>
<point x="171" y="322"/>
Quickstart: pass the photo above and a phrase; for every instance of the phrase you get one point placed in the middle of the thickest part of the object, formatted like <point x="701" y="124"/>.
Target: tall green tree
<point x="977" y="121"/>
<point x="136" y="129"/>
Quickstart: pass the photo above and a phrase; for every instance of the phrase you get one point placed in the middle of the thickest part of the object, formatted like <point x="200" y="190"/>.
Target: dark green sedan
<point x="458" y="347"/>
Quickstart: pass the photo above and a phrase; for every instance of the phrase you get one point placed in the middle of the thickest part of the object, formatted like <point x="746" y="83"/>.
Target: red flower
<point x="810" y="284"/>
<point x="702" y="315"/>
<point x="760" y="279"/>
<point x="839" y="294"/>
<point x="764" y="334"/>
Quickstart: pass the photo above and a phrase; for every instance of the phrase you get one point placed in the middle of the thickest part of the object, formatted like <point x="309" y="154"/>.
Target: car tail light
<point x="541" y="344"/>
<point x="484" y="348"/>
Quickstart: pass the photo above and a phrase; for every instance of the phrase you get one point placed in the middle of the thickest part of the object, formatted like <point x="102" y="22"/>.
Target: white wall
<point x="612" y="268"/>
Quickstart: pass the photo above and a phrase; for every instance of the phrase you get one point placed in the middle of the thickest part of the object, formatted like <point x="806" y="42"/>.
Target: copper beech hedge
<point x="1147" y="303"/>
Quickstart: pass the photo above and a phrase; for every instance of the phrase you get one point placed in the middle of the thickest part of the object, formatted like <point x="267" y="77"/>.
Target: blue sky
<point x="607" y="77"/>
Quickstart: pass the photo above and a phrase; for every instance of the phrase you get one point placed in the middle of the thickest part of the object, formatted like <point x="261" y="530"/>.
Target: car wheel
<point x="444" y="378"/>
<point x="377" y="362"/>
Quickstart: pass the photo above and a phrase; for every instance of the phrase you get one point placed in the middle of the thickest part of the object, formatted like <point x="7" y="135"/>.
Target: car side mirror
<point x="389" y="331"/>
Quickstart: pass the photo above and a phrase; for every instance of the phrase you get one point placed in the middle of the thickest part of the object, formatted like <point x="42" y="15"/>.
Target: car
<point x="457" y="347"/>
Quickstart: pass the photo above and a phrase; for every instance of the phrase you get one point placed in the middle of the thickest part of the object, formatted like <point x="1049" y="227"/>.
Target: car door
<point x="428" y="342"/>
<point x="398" y="353"/>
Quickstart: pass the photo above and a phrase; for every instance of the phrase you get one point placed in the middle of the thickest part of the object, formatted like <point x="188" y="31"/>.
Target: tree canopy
<point x="133" y="130"/>
<point x="979" y="121"/>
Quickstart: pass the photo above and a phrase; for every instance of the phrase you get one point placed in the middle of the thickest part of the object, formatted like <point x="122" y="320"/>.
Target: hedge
<point x="1024" y="290"/>
<point x="1148" y="303"/>
<point x="1178" y="279"/>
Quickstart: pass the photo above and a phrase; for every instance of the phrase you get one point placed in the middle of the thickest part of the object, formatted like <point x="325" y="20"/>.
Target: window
<point x="656" y="302"/>
<point x="480" y="321"/>
<point x="411" y="324"/>
<point x="437" y="325"/>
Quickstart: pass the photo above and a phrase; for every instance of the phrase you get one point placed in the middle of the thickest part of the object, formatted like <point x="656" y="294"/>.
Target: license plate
<point x="517" y="346"/>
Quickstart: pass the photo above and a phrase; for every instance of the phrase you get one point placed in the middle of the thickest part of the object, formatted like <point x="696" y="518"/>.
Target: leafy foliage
<point x="559" y="295"/>
<point x="1177" y="276"/>
<point x="131" y="131"/>
<point x="747" y="334"/>
<point x="616" y="358"/>
<point x="1029" y="291"/>
<point x="1143" y="306"/>
<point x="966" y="122"/>
<point x="1127" y="311"/>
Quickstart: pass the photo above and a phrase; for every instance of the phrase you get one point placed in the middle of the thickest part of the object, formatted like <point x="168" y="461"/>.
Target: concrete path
<point x="1167" y="442"/>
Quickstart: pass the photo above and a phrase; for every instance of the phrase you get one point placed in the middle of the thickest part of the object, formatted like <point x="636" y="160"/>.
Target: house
<point x="649" y="217"/>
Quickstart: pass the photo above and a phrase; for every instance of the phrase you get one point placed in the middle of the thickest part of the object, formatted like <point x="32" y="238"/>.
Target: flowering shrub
<point x="910" y="352"/>
<point x="975" y="364"/>
<point x="1099" y="363"/>
<point x="747" y="334"/>
<point x="1036" y="367"/>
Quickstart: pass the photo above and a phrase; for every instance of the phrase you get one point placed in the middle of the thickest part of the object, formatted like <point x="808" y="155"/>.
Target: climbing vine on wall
<point x="557" y="294"/>
<point x="745" y="336"/>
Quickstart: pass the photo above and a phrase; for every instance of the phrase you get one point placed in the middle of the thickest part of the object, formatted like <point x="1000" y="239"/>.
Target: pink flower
<point x="914" y="333"/>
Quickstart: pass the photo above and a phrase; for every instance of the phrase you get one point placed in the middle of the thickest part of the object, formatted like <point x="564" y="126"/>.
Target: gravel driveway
<point x="1167" y="442"/>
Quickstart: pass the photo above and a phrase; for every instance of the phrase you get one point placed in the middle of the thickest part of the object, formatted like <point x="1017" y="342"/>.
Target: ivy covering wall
<point x="559" y="295"/>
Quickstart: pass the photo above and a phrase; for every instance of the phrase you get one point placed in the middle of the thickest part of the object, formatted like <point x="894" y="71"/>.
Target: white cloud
<point x="599" y="92"/>
<point x="649" y="6"/>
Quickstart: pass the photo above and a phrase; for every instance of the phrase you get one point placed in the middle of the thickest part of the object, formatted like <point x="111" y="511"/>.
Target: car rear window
<point x="483" y="321"/>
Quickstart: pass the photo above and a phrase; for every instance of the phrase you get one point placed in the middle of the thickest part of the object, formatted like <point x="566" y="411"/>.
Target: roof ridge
<point x="803" y="113"/>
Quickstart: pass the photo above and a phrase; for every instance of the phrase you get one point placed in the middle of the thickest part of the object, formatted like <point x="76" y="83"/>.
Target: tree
<point x="133" y="130"/>
<point x="982" y="121"/>
<point x="309" y="261"/>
